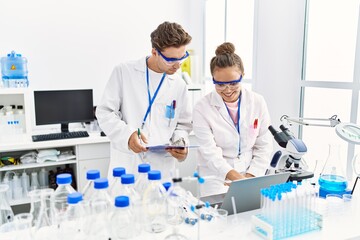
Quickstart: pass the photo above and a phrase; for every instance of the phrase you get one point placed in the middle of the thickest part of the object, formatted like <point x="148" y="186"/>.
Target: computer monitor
<point x="63" y="107"/>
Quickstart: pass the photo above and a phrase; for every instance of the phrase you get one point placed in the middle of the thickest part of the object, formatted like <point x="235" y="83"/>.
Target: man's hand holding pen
<point x="135" y="142"/>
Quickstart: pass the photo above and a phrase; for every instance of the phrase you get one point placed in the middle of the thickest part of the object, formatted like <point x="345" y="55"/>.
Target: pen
<point x="255" y="123"/>
<point x="139" y="135"/>
<point x="172" y="110"/>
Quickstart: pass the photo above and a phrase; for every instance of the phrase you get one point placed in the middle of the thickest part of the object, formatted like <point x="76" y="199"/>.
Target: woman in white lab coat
<point x="230" y="149"/>
<point x="150" y="96"/>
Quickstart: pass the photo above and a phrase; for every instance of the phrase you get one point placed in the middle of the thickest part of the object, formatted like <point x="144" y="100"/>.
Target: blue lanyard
<point x="237" y="125"/>
<point x="151" y="100"/>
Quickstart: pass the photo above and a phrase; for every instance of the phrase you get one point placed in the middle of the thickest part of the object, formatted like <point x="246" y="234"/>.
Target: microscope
<point x="290" y="159"/>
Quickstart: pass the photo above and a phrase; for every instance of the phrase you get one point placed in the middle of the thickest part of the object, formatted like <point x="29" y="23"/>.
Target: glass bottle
<point x="62" y="191"/>
<point x="154" y="203"/>
<point x="122" y="220"/>
<point x="88" y="190"/>
<point x="101" y="207"/>
<point x="116" y="182"/>
<point x="128" y="189"/>
<point x="142" y="179"/>
<point x="332" y="178"/>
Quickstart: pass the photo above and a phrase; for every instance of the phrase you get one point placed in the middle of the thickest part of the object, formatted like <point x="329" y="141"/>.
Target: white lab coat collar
<point x="218" y="102"/>
<point x="141" y="66"/>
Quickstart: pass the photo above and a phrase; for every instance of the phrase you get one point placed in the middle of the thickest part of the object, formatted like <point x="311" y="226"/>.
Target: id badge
<point x="239" y="165"/>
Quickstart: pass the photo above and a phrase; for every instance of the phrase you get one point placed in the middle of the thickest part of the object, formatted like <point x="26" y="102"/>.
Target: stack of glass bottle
<point x="64" y="213"/>
<point x="287" y="210"/>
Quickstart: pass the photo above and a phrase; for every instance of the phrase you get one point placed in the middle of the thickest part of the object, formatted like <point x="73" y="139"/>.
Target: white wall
<point x="76" y="43"/>
<point x="279" y="29"/>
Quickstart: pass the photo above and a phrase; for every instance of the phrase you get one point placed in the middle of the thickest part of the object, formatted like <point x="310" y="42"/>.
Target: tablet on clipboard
<point x="160" y="148"/>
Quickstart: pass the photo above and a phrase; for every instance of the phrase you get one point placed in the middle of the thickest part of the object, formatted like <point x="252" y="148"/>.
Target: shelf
<point x="14" y="90"/>
<point x="35" y="165"/>
<point x="19" y="201"/>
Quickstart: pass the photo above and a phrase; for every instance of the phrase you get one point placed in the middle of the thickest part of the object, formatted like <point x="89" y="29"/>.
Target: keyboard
<point x="59" y="136"/>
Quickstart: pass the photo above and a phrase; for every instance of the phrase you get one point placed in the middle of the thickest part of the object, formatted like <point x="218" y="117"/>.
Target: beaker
<point x="42" y="207"/>
<point x="6" y="213"/>
<point x="332" y="178"/>
<point x="23" y="223"/>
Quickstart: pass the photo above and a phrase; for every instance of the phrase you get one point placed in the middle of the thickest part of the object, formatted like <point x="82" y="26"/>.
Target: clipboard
<point x="164" y="147"/>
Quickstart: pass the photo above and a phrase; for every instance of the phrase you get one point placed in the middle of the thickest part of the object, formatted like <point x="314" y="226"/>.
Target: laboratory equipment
<point x="14" y="71"/>
<point x="23" y="226"/>
<point x="287" y="210"/>
<point x="42" y="207"/>
<point x="127" y="189"/>
<point x="62" y="191"/>
<point x="332" y="179"/>
<point x="154" y="203"/>
<point x="91" y="176"/>
<point x="116" y="182"/>
<point x="142" y="181"/>
<point x="72" y="227"/>
<point x="34" y="184"/>
<point x="290" y="160"/>
<point x="25" y="183"/>
<point x="6" y="213"/>
<point x="44" y="178"/>
<point x="101" y="205"/>
<point x="175" y="211"/>
<point x="122" y="219"/>
<point x="356" y="167"/>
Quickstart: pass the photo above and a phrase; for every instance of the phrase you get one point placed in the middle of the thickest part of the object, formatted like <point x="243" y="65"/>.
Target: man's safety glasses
<point x="221" y="86"/>
<point x="171" y="61"/>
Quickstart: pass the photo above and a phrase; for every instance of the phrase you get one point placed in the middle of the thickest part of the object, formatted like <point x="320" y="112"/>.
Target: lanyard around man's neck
<point x="151" y="99"/>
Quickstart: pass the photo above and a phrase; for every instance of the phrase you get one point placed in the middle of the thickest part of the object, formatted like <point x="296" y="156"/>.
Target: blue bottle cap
<point x="64" y="178"/>
<point x="167" y="185"/>
<point x="92" y="174"/>
<point x="122" y="201"/>
<point x="101" y="183"/>
<point x="154" y="175"/>
<point x="127" y="178"/>
<point x="118" y="171"/>
<point x="74" y="198"/>
<point x="143" y="168"/>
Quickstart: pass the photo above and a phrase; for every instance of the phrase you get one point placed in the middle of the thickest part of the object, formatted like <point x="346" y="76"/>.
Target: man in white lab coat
<point x="231" y="126"/>
<point x="145" y="103"/>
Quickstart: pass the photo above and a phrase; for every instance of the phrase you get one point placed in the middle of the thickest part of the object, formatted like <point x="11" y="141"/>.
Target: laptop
<point x="246" y="193"/>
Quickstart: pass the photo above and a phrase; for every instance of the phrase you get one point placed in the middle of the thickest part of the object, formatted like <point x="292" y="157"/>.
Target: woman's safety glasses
<point x="172" y="61"/>
<point x="221" y="86"/>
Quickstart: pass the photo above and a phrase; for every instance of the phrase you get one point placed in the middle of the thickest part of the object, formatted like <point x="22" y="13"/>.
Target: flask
<point x="116" y="182"/>
<point x="42" y="207"/>
<point x="6" y="213"/>
<point x="34" y="184"/>
<point x="142" y="179"/>
<point x="25" y="183"/>
<point x="14" y="71"/>
<point x="332" y="178"/>
<point x="60" y="195"/>
<point x="175" y="205"/>
<point x="88" y="190"/>
<point x="44" y="178"/>
<point x="122" y="219"/>
<point x="154" y="203"/>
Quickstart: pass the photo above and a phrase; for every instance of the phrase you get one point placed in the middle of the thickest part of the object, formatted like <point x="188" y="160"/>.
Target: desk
<point x="345" y="226"/>
<point x="91" y="152"/>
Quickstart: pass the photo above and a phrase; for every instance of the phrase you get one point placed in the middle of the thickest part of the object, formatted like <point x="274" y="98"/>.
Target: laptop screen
<point x="245" y="192"/>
